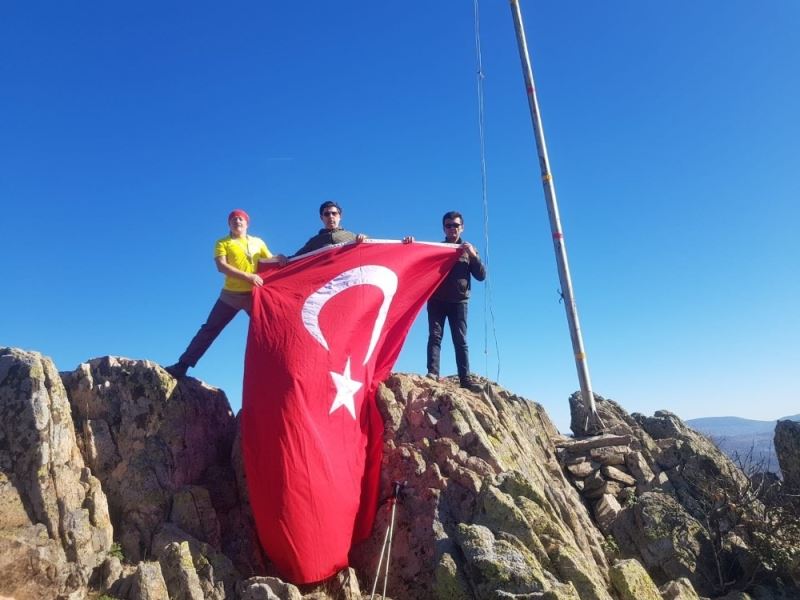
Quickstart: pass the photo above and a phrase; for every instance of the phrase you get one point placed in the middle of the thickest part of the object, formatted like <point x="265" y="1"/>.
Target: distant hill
<point x="741" y="438"/>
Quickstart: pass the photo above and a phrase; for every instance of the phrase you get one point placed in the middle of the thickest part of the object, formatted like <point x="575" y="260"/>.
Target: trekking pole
<point x="387" y="541"/>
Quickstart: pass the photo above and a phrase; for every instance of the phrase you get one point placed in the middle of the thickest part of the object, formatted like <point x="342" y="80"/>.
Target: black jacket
<point x="456" y="286"/>
<point x="326" y="237"/>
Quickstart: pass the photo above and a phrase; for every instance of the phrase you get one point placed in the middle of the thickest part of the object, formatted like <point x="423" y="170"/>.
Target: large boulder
<point x="632" y="582"/>
<point x="215" y="573"/>
<point x="679" y="589"/>
<point x="179" y="572"/>
<point x="157" y="446"/>
<point x="147" y="583"/>
<point x="694" y="465"/>
<point x="54" y="522"/>
<point x="487" y="511"/>
<point x="787" y="447"/>
<point x="669" y="541"/>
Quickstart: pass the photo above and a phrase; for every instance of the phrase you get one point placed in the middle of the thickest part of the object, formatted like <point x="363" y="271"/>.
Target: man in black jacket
<point x="449" y="301"/>
<point x="330" y="213"/>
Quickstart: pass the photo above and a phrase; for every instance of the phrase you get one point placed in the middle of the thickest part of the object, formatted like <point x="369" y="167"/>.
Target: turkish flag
<point x="325" y="330"/>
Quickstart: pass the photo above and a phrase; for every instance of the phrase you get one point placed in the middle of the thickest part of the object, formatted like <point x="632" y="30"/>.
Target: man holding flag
<point x="236" y="256"/>
<point x="450" y="300"/>
<point x="330" y="213"/>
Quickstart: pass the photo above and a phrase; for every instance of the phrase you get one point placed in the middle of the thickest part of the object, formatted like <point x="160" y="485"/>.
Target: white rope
<point x="487" y="298"/>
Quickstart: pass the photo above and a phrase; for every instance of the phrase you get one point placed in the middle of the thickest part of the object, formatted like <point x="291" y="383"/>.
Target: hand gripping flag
<point x="325" y="330"/>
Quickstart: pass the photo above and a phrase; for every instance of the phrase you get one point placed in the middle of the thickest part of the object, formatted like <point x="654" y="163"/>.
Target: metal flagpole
<point x="555" y="223"/>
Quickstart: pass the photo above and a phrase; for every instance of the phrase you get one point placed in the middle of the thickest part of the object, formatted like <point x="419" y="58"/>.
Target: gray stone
<point x="632" y="582"/>
<point x="346" y="585"/>
<point x="679" y="589"/>
<point x="54" y="521"/>
<point x="572" y="567"/>
<point x="342" y="586"/>
<point x="450" y="582"/>
<point x="619" y="475"/>
<point x="267" y="588"/>
<point x="498" y="564"/>
<point x="179" y="572"/>
<point x="664" y="425"/>
<point x="669" y="541"/>
<point x="670" y="455"/>
<point x="615" y="420"/>
<point x="559" y="591"/>
<point x="110" y="571"/>
<point x="567" y="459"/>
<point x="215" y="571"/>
<point x="609" y="455"/>
<point x="578" y="446"/>
<point x="148" y="583"/>
<point x="583" y="469"/>
<point x="193" y="512"/>
<point x="594" y="482"/>
<point x="787" y="448"/>
<point x="638" y="467"/>
<point x="609" y="488"/>
<point x="606" y="510"/>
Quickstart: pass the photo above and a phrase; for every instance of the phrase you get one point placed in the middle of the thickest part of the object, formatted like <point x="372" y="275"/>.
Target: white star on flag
<point x="346" y="389"/>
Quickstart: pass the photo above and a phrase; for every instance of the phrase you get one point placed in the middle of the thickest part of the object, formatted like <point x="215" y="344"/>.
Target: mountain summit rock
<point x="117" y="479"/>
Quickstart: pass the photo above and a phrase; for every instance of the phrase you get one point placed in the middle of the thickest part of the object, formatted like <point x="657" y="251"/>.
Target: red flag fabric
<point x="325" y="330"/>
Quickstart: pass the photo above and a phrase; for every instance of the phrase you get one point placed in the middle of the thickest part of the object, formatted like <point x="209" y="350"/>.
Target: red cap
<point x="239" y="213"/>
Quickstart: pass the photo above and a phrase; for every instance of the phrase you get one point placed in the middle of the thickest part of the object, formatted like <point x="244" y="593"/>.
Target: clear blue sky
<point x="128" y="131"/>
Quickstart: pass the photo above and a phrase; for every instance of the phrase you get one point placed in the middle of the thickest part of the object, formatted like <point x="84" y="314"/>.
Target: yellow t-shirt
<point x="242" y="254"/>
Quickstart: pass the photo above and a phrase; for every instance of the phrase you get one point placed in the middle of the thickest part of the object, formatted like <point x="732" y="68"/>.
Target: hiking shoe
<point x="433" y="376"/>
<point x="471" y="384"/>
<point x="178" y="370"/>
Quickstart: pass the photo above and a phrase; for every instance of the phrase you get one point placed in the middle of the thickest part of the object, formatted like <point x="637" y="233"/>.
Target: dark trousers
<point x="456" y="315"/>
<point x="221" y="314"/>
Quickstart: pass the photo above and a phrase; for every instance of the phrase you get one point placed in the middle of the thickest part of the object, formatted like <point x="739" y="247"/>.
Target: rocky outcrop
<point x="494" y="501"/>
<point x="153" y="443"/>
<point x="164" y="452"/>
<point x="787" y="447"/>
<point x="624" y="475"/>
<point x="54" y="523"/>
<point x="669" y="497"/>
<point x="487" y="510"/>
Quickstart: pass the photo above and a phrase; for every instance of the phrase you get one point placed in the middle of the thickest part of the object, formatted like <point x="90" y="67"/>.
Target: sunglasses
<point x="330" y="213"/>
<point x="452" y="225"/>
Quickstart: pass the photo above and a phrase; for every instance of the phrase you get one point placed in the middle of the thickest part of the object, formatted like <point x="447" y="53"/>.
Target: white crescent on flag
<point x="383" y="278"/>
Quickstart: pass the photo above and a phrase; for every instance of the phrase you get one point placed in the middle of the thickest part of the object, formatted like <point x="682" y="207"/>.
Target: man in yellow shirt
<point x="236" y="256"/>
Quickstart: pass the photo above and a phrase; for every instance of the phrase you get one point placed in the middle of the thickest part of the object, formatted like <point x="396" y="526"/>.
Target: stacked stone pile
<point x="667" y="495"/>
<point x="609" y="471"/>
